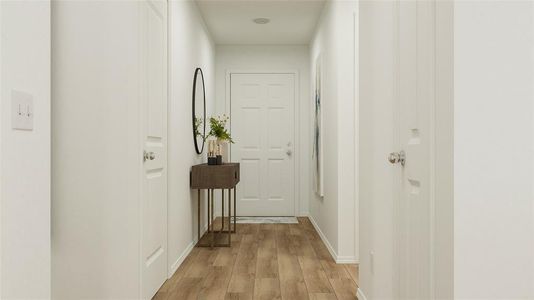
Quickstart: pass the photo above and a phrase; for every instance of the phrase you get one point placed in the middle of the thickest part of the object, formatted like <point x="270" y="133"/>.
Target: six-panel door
<point x="154" y="137"/>
<point x="262" y="124"/>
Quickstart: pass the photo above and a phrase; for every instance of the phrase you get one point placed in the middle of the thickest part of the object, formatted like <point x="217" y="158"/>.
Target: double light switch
<point x="21" y="110"/>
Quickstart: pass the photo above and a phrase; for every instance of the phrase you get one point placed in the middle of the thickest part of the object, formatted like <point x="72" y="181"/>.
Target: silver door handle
<point x="397" y="157"/>
<point x="148" y="156"/>
<point x="289" y="152"/>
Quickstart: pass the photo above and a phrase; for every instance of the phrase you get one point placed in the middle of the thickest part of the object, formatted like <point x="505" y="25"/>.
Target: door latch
<point x="148" y="156"/>
<point x="397" y="157"/>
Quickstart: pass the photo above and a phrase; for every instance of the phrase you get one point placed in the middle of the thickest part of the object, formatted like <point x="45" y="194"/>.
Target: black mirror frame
<point x="199" y="71"/>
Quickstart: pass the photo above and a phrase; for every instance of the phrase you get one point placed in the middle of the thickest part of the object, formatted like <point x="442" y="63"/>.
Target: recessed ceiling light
<point x="261" y="20"/>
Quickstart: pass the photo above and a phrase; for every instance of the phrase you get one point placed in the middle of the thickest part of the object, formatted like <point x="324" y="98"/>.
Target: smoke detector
<point x="261" y="21"/>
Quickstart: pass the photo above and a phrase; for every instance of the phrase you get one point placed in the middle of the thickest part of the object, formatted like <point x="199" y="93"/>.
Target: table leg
<point x="209" y="196"/>
<point x="235" y="211"/>
<point x="229" y="217"/>
<point x="222" y="210"/>
<point x="212" y="229"/>
<point x="198" y="217"/>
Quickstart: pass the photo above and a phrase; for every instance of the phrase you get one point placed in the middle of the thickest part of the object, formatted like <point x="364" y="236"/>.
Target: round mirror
<point x="199" y="110"/>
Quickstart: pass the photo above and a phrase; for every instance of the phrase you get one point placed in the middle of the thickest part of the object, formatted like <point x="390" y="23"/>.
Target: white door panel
<point x="154" y="135"/>
<point x="415" y="108"/>
<point x="262" y="124"/>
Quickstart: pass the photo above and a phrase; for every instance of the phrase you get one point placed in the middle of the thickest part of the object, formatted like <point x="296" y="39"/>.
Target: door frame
<point x="296" y="119"/>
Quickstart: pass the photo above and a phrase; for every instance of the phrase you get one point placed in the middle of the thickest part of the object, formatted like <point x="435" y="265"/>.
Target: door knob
<point x="149" y="156"/>
<point x="289" y="152"/>
<point x="397" y="157"/>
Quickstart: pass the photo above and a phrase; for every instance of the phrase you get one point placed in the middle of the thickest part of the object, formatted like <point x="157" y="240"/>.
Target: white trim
<point x="360" y="294"/>
<point x="532" y="148"/>
<point x="169" y="96"/>
<point x="178" y="262"/>
<point x="1" y="142"/>
<point x="338" y="259"/>
<point x="323" y="237"/>
<point x="433" y="158"/>
<point x="139" y="145"/>
<point x="181" y="259"/>
<point x="296" y="120"/>
<point x="347" y="260"/>
<point x="356" y="124"/>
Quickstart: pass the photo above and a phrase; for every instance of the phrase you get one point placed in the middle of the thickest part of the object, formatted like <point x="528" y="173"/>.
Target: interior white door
<point x="416" y="88"/>
<point x="262" y="124"/>
<point x="154" y="136"/>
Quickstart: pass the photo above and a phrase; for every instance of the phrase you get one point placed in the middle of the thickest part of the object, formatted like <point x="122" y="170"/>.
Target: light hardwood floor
<point x="266" y="261"/>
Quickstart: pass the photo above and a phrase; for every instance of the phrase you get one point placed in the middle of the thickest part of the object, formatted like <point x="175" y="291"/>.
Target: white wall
<point x="95" y="143"/>
<point x="274" y="58"/>
<point x="95" y="109"/>
<point x="493" y="161"/>
<point x="25" y="155"/>
<point x="336" y="214"/>
<point x="1" y="145"/>
<point x="190" y="47"/>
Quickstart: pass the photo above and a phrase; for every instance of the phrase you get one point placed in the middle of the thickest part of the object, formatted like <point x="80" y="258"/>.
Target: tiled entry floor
<point x="266" y="261"/>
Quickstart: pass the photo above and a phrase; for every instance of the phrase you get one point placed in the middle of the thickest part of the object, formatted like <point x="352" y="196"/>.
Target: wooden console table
<point x="225" y="176"/>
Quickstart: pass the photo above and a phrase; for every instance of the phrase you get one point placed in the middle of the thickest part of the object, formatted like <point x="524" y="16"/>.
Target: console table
<point x="211" y="177"/>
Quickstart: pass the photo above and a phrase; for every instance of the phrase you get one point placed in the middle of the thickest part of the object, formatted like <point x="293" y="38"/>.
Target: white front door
<point x="416" y="73"/>
<point x="262" y="124"/>
<point x="154" y="135"/>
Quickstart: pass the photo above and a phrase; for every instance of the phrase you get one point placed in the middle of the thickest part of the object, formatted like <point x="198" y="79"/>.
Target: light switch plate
<point x="21" y="110"/>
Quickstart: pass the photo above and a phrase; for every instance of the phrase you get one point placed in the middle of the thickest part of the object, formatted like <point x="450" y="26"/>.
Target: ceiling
<point x="291" y="21"/>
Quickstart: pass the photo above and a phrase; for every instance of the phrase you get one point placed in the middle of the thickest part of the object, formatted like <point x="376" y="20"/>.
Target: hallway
<point x="266" y="261"/>
<point x="400" y="135"/>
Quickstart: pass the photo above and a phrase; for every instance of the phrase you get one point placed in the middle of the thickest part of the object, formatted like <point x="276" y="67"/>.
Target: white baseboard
<point x="184" y="254"/>
<point x="181" y="259"/>
<point x="323" y="238"/>
<point x="346" y="260"/>
<point x="337" y="258"/>
<point x="360" y="295"/>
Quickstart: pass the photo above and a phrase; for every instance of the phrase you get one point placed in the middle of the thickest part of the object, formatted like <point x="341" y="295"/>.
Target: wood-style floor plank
<point x="292" y="284"/>
<point x="202" y="263"/>
<point x="314" y="276"/>
<point x="319" y="296"/>
<point x="334" y="271"/>
<point x="344" y="288"/>
<point x="265" y="261"/>
<point x="216" y="283"/>
<point x="188" y="288"/>
<point x="267" y="289"/>
<point x="241" y="287"/>
<point x="353" y="272"/>
<point x="169" y="285"/>
<point x="293" y="289"/>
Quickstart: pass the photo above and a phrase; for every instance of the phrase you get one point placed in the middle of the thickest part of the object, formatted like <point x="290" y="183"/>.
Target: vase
<point x="220" y="150"/>
<point x="212" y="156"/>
